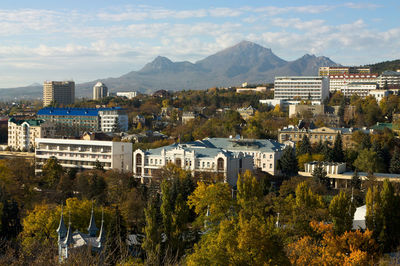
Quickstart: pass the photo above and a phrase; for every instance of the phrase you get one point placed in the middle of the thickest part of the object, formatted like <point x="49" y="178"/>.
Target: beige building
<point x="246" y="112"/>
<point x="60" y="92"/>
<point x="328" y="71"/>
<point x="99" y="91"/>
<point x="322" y="134"/>
<point x="22" y="133"/>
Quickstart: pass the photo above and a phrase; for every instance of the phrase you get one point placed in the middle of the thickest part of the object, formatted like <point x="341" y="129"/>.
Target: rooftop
<point x="74" y="111"/>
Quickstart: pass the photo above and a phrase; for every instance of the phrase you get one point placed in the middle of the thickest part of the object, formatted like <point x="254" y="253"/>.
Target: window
<point x="263" y="165"/>
<point x="208" y="164"/>
<point x="220" y="164"/>
<point x="270" y="165"/>
<point x="270" y="156"/>
<point x="264" y="156"/>
<point x="138" y="158"/>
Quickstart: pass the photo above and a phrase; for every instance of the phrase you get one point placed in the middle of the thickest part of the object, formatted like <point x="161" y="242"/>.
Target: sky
<point x="86" y="40"/>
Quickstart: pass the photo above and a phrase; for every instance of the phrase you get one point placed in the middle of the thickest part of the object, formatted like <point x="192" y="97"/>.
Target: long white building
<point x="340" y="82"/>
<point x="296" y="89"/>
<point x="84" y="154"/>
<point x="389" y="78"/>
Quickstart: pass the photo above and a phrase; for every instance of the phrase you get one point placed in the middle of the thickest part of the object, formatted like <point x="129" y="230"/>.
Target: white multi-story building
<point x="195" y="157"/>
<point x="389" y="78"/>
<point x="127" y="94"/>
<point x="84" y="154"/>
<point x="22" y="133"/>
<point x="361" y="89"/>
<point x="339" y="82"/>
<point x="296" y="89"/>
<point x="113" y="120"/>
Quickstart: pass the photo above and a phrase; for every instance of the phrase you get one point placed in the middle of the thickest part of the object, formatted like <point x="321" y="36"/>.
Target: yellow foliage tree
<point x="324" y="247"/>
<point x="41" y="223"/>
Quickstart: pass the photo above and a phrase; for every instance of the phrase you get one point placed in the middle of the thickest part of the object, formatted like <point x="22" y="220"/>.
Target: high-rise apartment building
<point x="100" y="90"/>
<point x="60" y="92"/>
<point x="296" y="89"/>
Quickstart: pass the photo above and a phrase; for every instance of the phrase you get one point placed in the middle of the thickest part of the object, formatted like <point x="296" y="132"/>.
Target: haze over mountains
<point x="244" y="62"/>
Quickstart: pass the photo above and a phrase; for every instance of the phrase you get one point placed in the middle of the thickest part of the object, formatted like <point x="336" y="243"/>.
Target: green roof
<point x="382" y="126"/>
<point x="31" y="122"/>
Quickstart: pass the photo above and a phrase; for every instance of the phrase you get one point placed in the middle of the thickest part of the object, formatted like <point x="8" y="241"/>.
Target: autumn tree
<point x="324" y="247"/>
<point x="341" y="210"/>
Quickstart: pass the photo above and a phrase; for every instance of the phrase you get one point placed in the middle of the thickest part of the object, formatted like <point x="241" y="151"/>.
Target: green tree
<point x="395" y="162"/>
<point x="52" y="172"/>
<point x="115" y="246"/>
<point x="288" y="164"/>
<point x="152" y="240"/>
<point x="368" y="161"/>
<point x="304" y="146"/>
<point x="341" y="210"/>
<point x="355" y="181"/>
<point x="320" y="174"/>
<point x="337" y="151"/>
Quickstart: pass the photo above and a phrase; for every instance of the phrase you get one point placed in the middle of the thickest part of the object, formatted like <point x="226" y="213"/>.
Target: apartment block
<point x="361" y="89"/>
<point x="99" y="91"/>
<point x="75" y="121"/>
<point x="22" y="133"/>
<point x="341" y="70"/>
<point x="297" y="89"/>
<point x="84" y="154"/>
<point x="339" y="82"/>
<point x="59" y="92"/>
<point x="390" y="79"/>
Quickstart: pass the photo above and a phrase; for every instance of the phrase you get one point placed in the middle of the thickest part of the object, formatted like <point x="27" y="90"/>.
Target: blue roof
<point x="75" y="111"/>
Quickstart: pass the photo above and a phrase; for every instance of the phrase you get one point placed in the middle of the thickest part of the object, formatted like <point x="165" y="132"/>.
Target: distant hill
<point x="244" y="62"/>
<point x="387" y="65"/>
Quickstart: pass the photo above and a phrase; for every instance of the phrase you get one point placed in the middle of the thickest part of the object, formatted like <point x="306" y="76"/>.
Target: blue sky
<point x="85" y="40"/>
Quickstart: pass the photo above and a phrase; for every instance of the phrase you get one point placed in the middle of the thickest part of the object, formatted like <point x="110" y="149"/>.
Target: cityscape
<point x="226" y="155"/>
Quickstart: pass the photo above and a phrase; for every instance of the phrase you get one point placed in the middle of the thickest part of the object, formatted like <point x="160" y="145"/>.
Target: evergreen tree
<point x="327" y="152"/>
<point x="99" y="166"/>
<point x="152" y="240"/>
<point x="319" y="147"/>
<point x="395" y="162"/>
<point x="10" y="223"/>
<point x="341" y="210"/>
<point x="304" y="146"/>
<point x="288" y="162"/>
<point x="115" y="246"/>
<point x="355" y="181"/>
<point x="320" y="174"/>
<point x="337" y="151"/>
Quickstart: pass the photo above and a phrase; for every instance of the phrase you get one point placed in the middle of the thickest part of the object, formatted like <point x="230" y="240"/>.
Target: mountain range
<point x="243" y="62"/>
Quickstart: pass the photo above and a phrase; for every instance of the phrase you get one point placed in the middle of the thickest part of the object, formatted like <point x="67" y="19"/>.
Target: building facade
<point x="339" y="82"/>
<point x="58" y="92"/>
<point x="390" y="79"/>
<point x="341" y="70"/>
<point x="322" y="134"/>
<point x="127" y="94"/>
<point x="99" y="91"/>
<point x="195" y="157"/>
<point x="361" y="89"/>
<point x="84" y="154"/>
<point x="22" y="133"/>
<point x="75" y="121"/>
<point x="297" y="89"/>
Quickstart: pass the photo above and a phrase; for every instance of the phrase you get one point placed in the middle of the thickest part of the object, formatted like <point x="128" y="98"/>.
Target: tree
<point x="337" y="151"/>
<point x="52" y="172"/>
<point x="320" y="174"/>
<point x="152" y="240"/>
<point x="395" y="162"/>
<point x="99" y="166"/>
<point x="327" y="151"/>
<point x="324" y="247"/>
<point x="368" y="161"/>
<point x="288" y="162"/>
<point x="355" y="181"/>
<point x="304" y="146"/>
<point x="341" y="210"/>
<point x="115" y="245"/>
